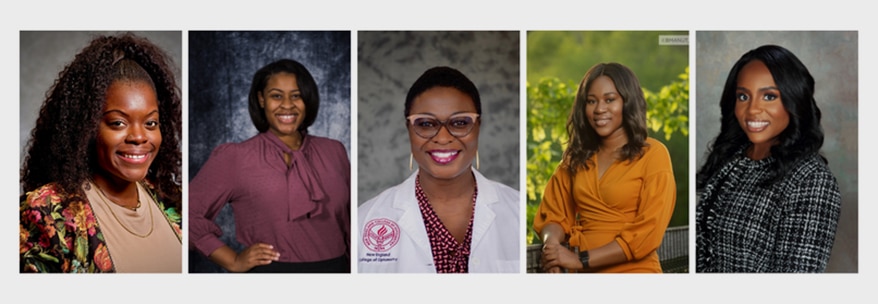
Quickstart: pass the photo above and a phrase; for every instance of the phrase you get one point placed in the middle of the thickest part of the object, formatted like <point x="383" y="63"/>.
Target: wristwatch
<point x="583" y="257"/>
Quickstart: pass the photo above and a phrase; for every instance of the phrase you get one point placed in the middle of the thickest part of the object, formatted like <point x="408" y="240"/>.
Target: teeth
<point x="134" y="156"/>
<point x="288" y="118"/>
<point x="444" y="154"/>
<point x="757" y="124"/>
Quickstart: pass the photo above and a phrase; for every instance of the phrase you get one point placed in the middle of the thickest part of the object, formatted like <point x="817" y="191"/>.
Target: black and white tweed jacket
<point x="744" y="226"/>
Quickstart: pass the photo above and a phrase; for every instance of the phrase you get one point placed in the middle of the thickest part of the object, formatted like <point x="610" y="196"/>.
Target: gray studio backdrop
<point x="44" y="54"/>
<point x="831" y="57"/>
<point x="221" y="68"/>
<point x="389" y="62"/>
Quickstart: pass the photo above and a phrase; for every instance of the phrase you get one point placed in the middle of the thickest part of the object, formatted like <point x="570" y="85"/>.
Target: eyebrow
<point x="607" y="93"/>
<point x="452" y="114"/>
<point x="156" y="111"/>
<point x="279" y="90"/>
<point x="760" y="89"/>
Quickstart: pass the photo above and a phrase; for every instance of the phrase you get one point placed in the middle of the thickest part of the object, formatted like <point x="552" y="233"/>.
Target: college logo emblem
<point x="380" y="235"/>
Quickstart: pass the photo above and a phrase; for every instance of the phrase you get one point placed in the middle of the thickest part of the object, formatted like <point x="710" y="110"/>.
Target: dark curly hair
<point x="62" y="150"/>
<point x="584" y="141"/>
<point x="803" y="136"/>
<point x="305" y="82"/>
<point x="442" y="76"/>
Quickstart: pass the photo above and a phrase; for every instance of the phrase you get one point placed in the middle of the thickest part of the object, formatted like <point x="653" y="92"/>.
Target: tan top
<point x="138" y="241"/>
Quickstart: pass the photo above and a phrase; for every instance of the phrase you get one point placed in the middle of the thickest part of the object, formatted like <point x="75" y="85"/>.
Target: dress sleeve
<point x="557" y="203"/>
<point x="209" y="191"/>
<point x="658" y="195"/>
<point x="808" y="224"/>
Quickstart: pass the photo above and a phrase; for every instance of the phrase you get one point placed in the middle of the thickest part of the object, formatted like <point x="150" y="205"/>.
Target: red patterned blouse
<point x="449" y="255"/>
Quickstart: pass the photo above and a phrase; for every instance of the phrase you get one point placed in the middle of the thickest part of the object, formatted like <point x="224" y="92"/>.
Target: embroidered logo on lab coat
<point x="380" y="235"/>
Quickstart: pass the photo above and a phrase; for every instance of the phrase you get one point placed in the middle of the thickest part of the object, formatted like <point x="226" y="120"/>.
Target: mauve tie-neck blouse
<point x="303" y="210"/>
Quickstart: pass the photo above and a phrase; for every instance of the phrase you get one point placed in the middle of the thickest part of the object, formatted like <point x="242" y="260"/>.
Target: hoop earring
<point x="477" y="159"/>
<point x="410" y="162"/>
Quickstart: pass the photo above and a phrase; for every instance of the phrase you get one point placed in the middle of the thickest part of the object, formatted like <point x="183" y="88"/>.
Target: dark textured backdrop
<point x="221" y="68"/>
<point x="831" y="57"/>
<point x="389" y="62"/>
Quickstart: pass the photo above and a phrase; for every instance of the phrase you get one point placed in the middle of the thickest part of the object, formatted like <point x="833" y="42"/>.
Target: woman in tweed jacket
<point x="767" y="201"/>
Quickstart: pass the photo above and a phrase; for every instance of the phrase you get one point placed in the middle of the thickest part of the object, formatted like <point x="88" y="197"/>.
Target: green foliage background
<point x="555" y="64"/>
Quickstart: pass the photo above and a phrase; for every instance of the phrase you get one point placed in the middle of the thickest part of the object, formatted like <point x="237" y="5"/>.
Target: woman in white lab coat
<point x="446" y="217"/>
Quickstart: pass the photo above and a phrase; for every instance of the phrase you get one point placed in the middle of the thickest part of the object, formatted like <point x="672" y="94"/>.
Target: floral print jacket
<point x="59" y="232"/>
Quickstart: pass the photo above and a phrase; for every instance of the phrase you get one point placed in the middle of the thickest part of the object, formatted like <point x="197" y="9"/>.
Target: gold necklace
<point x="104" y="198"/>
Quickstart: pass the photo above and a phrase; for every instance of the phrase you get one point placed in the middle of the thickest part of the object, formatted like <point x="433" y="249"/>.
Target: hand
<point x="550" y="245"/>
<point x="255" y="255"/>
<point x="555" y="256"/>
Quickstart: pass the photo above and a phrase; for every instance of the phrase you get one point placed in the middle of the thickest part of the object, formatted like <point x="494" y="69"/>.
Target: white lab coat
<point x="396" y="238"/>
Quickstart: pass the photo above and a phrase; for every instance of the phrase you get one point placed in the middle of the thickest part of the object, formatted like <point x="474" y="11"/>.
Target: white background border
<point x="447" y="15"/>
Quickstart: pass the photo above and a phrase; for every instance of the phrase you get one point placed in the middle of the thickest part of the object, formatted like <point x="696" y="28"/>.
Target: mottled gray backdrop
<point x="221" y="68"/>
<point x="831" y="57"/>
<point x="44" y="54"/>
<point x="389" y="62"/>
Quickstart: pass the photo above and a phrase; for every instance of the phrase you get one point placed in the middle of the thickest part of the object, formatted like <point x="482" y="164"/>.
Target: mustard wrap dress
<point x="631" y="204"/>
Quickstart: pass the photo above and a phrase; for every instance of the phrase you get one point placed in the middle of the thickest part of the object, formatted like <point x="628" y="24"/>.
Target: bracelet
<point x="583" y="257"/>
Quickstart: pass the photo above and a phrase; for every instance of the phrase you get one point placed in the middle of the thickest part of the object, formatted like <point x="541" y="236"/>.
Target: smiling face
<point x="128" y="136"/>
<point x="759" y="108"/>
<point x="603" y="108"/>
<point x="283" y="105"/>
<point x="444" y="156"/>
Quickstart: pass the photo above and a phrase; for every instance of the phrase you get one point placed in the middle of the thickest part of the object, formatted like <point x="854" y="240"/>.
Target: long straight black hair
<point x="803" y="136"/>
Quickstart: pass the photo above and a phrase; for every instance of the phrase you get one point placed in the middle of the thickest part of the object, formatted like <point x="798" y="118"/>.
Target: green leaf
<point x="48" y="257"/>
<point x="539" y="134"/>
<point x="81" y="248"/>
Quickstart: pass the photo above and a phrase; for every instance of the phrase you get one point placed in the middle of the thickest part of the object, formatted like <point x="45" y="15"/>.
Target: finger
<point x="263" y="246"/>
<point x="270" y="255"/>
<point x="550" y="267"/>
<point x="262" y="249"/>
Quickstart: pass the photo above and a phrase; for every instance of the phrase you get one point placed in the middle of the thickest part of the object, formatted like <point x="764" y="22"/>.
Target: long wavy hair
<point x="62" y="150"/>
<point x="803" y="136"/>
<point x="584" y="140"/>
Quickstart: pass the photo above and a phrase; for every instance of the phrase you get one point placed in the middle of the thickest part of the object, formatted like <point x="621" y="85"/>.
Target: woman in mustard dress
<point x="607" y="205"/>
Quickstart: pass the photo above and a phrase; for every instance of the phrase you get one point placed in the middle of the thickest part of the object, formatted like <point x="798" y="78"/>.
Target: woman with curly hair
<point x="767" y="201"/>
<point x="103" y="165"/>
<point x="606" y="207"/>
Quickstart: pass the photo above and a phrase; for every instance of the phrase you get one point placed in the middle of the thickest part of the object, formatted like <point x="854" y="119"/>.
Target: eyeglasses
<point x="427" y="126"/>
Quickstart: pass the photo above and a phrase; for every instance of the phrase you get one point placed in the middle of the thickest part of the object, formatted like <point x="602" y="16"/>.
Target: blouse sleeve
<point x="39" y="242"/>
<point x="556" y="205"/>
<point x="808" y="224"/>
<point x="658" y="196"/>
<point x="345" y="220"/>
<point x="59" y="234"/>
<point x="209" y="191"/>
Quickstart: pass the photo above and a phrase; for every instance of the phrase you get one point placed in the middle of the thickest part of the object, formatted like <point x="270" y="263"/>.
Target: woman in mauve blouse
<point x="613" y="194"/>
<point x="290" y="191"/>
